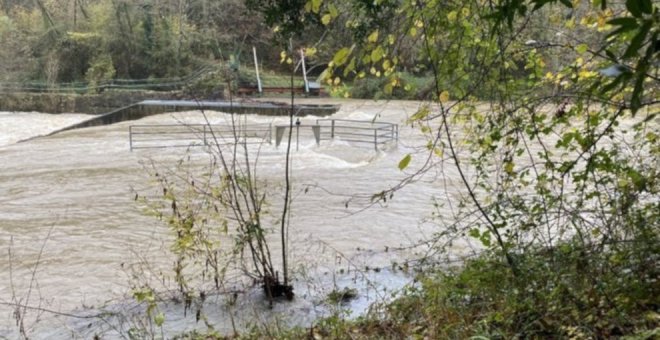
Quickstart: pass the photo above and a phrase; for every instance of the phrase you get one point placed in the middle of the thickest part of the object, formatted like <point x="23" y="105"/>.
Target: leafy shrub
<point x="408" y="86"/>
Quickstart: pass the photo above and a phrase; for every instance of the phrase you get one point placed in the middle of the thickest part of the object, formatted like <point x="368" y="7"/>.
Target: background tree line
<point x="93" y="40"/>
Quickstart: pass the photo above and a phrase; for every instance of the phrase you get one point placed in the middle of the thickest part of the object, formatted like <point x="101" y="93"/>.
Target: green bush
<point x="409" y="86"/>
<point x="565" y="292"/>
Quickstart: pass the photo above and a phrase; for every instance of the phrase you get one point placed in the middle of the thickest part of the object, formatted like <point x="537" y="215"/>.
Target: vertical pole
<point x="376" y="139"/>
<point x="270" y="133"/>
<point x="204" y="134"/>
<point x="256" y="68"/>
<point x="304" y="70"/>
<point x="332" y="130"/>
<point x="130" y="137"/>
<point x="397" y="134"/>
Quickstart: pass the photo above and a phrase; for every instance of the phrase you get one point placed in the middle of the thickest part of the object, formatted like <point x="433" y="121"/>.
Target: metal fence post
<point x="332" y="129"/>
<point x="376" y="139"/>
<point x="397" y="134"/>
<point x="204" y="135"/>
<point x="130" y="137"/>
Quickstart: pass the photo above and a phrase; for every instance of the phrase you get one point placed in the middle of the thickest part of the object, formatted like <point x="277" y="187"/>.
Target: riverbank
<point x="77" y="103"/>
<point x="554" y="296"/>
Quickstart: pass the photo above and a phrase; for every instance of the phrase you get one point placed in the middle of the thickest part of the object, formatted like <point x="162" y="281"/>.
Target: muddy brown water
<point x="70" y="228"/>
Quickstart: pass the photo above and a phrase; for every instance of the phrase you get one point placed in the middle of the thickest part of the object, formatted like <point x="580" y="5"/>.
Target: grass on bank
<point x="566" y="292"/>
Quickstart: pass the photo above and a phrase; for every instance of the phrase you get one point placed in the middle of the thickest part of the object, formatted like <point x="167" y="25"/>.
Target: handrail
<point x="146" y="136"/>
<point x="359" y="131"/>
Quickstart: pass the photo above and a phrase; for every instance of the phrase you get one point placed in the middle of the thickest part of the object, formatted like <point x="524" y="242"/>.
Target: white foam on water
<point x="18" y="126"/>
<point x="80" y="183"/>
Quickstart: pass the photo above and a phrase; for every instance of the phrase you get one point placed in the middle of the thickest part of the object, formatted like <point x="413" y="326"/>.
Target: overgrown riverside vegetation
<point x="546" y="109"/>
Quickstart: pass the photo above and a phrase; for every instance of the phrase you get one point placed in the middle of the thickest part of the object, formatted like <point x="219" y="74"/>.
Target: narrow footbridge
<point x="358" y="132"/>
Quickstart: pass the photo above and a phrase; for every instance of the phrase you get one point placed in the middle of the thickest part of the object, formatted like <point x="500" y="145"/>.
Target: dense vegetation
<point x="547" y="109"/>
<point x="95" y="40"/>
<point x="559" y="169"/>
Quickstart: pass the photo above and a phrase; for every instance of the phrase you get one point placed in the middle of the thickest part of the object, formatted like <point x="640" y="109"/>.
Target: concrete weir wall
<point x="152" y="107"/>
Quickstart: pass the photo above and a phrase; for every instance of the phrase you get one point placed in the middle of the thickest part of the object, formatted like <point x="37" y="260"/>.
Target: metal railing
<point x="359" y="131"/>
<point x="191" y="135"/>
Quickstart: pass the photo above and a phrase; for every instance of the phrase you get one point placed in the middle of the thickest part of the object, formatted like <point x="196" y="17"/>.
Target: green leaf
<point x="159" y="319"/>
<point x="508" y="167"/>
<point x="334" y="12"/>
<point x="646" y="6"/>
<point x="582" y="48"/>
<point x="485" y="239"/>
<point x="422" y="113"/>
<point x="350" y="67"/>
<point x="637" y="179"/>
<point x="404" y="162"/>
<point x="640" y="73"/>
<point x="316" y="5"/>
<point x="634" y="7"/>
<point x="611" y="55"/>
<point x="637" y="40"/>
<point x="377" y="54"/>
<point x="624" y="22"/>
<point x="341" y="56"/>
<point x="474" y="233"/>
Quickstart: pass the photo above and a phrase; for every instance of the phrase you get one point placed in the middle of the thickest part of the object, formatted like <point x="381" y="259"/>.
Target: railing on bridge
<point x="359" y="131"/>
<point x="190" y="135"/>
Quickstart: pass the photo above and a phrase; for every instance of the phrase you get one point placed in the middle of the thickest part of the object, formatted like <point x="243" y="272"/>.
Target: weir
<point x="152" y="107"/>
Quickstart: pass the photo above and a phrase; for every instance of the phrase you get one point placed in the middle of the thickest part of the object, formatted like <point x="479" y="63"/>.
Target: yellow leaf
<point x="443" y="97"/>
<point x="325" y="20"/>
<point x="508" y="167"/>
<point x="386" y="64"/>
<point x="316" y="5"/>
<point x="334" y="12"/>
<point x="373" y="37"/>
<point x="377" y="54"/>
<point x="310" y="51"/>
<point x="341" y="56"/>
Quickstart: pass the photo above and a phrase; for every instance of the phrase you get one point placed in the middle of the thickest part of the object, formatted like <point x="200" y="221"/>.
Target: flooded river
<point x="70" y="228"/>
